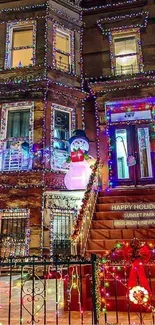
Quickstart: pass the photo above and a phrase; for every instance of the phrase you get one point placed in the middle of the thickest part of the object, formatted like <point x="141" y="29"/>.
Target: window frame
<point x="70" y="34"/>
<point x="4" y="122"/>
<point x="72" y="124"/>
<point x="135" y="32"/>
<point x="9" y="41"/>
<point x="15" y="214"/>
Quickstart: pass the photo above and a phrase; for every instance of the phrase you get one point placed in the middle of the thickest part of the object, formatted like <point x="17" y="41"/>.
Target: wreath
<point x="138" y="295"/>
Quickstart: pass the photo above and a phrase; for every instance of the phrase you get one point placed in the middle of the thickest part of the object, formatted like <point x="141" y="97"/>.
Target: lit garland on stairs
<point x="80" y="219"/>
<point x="123" y="256"/>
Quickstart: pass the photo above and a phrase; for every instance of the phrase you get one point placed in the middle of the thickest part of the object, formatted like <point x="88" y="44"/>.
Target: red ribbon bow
<point x="137" y="268"/>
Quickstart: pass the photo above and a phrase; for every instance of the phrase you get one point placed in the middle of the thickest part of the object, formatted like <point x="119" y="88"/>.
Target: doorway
<point x="132" y="159"/>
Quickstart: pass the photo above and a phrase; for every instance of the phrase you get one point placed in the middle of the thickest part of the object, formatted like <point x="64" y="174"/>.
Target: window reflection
<point x="144" y="152"/>
<point x="121" y="153"/>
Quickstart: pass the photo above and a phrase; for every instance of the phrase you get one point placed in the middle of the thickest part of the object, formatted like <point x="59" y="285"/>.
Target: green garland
<point x="80" y="217"/>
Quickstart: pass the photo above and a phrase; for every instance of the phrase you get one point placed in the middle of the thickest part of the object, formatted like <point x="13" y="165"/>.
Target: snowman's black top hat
<point x="78" y="134"/>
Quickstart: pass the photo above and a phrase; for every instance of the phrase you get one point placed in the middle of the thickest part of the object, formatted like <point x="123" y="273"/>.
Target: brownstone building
<point x="118" y="67"/>
<point x="67" y="65"/>
<point x="40" y="105"/>
<point x="85" y="65"/>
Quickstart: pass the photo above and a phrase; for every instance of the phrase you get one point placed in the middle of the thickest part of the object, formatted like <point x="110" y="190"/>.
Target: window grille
<point x="14" y="234"/>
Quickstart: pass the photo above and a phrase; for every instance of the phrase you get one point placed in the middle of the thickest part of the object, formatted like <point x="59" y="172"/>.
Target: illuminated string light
<point x="111" y="5"/>
<point x="136" y="31"/>
<point x="122" y="106"/>
<point x="126" y="17"/>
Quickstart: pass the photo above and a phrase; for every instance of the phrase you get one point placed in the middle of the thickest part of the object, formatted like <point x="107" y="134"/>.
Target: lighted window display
<point x="61" y="130"/>
<point x="144" y="152"/>
<point x="20" y="45"/>
<point x="16" y="137"/>
<point x="126" y="54"/>
<point x="21" y="39"/>
<point x="121" y="153"/>
<point x="63" y="49"/>
<point x="62" y="46"/>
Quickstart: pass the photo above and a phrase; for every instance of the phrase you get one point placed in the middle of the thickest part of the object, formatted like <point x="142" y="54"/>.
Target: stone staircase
<point x="120" y="216"/>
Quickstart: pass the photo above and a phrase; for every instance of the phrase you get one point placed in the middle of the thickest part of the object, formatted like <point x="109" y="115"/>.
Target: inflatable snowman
<point x="79" y="172"/>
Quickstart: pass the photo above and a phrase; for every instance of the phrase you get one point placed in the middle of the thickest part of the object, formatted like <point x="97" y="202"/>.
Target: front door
<point x="131" y="156"/>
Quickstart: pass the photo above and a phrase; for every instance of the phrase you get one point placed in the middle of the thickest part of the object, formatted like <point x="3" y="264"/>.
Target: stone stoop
<point x="121" y="215"/>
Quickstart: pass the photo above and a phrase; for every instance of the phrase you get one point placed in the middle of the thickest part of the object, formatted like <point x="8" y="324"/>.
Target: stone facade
<point x="101" y="20"/>
<point x="89" y="85"/>
<point x="41" y="84"/>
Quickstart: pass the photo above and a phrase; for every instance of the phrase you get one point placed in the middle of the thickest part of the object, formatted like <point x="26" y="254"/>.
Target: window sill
<point x="22" y="67"/>
<point x="69" y="72"/>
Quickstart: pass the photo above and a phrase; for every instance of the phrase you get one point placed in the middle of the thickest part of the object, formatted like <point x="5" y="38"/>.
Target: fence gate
<point x="58" y="291"/>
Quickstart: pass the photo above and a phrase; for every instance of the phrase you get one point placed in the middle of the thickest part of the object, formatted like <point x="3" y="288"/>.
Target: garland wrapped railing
<point x="82" y="224"/>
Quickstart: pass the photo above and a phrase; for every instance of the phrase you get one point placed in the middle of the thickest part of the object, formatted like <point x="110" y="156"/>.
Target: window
<point x="20" y="44"/>
<point x="14" y="233"/>
<point x="63" y="50"/>
<point x="63" y="121"/>
<point x="62" y="226"/>
<point x="16" y="135"/>
<point x="126" y="56"/>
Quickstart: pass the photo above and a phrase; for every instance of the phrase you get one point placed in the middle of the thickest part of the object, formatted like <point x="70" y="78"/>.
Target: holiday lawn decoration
<point x="79" y="172"/>
<point x="132" y="256"/>
<point x="138" y="254"/>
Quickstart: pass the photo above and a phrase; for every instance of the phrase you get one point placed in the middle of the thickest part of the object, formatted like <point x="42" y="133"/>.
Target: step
<point x="121" y="234"/>
<point x="125" y="224"/>
<point x="140" y="206"/>
<point x="126" y="199"/>
<point x="127" y="215"/>
<point x="109" y="215"/>
<point x="106" y="245"/>
<point x="128" y="191"/>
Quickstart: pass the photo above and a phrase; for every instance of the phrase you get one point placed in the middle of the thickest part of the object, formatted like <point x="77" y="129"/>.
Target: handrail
<point x="83" y="222"/>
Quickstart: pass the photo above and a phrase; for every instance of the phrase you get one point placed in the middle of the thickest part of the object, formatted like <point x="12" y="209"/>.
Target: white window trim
<point x="9" y="33"/>
<point x="72" y="127"/>
<point x="70" y="33"/>
<point x="4" y="119"/>
<point x="118" y="34"/>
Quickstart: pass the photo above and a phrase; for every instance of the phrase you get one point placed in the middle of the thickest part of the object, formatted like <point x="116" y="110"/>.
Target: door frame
<point x="123" y="106"/>
<point x="133" y="149"/>
<point x="144" y="180"/>
<point x="115" y="179"/>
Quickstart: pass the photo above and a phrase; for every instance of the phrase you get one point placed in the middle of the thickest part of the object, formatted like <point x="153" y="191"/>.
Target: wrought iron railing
<point x="84" y="218"/>
<point x="126" y="69"/>
<point x="71" y="290"/>
<point x="47" y="291"/>
<point x="121" y="304"/>
<point x="63" y="66"/>
<point x="14" y="235"/>
<point x="14" y="159"/>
